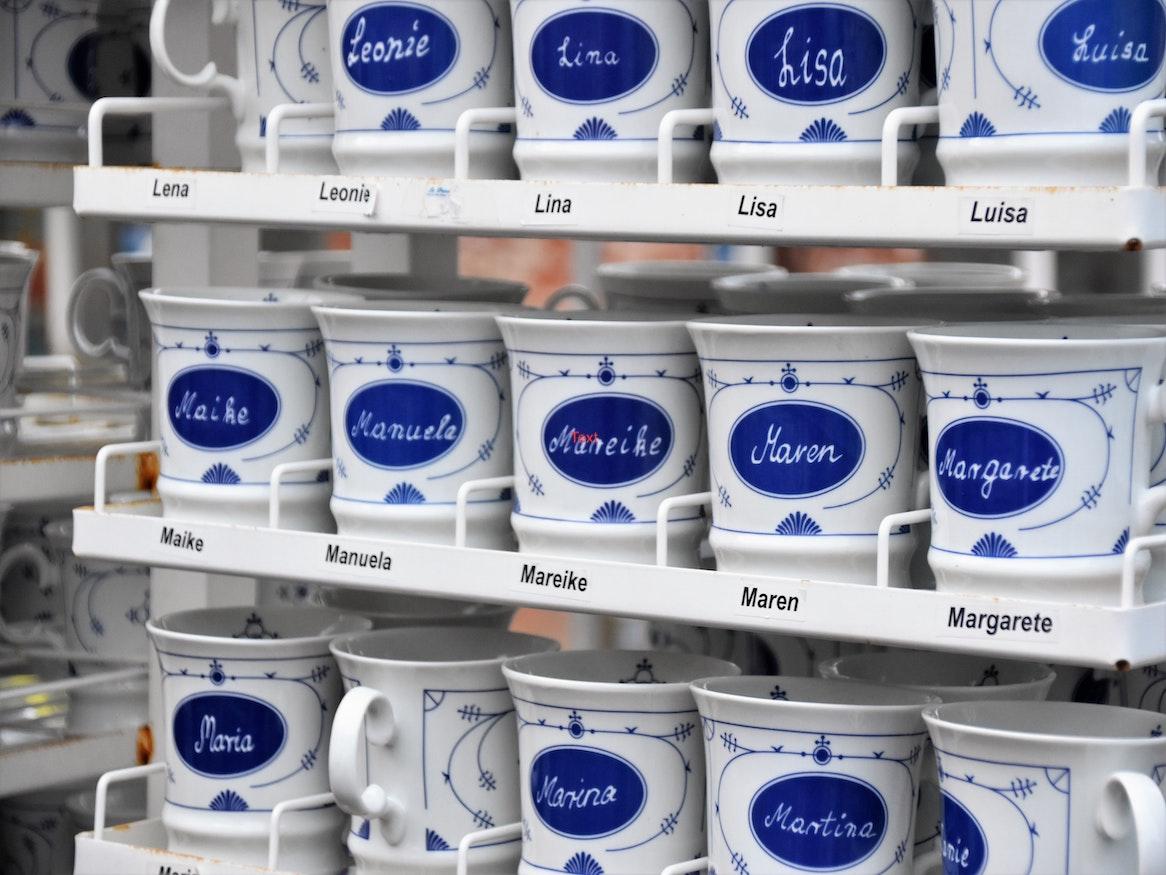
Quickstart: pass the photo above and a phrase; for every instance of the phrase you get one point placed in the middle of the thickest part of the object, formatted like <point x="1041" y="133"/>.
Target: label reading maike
<point x="585" y="792"/>
<point x="593" y="55"/>
<point x="223" y="735"/>
<point x="221" y="408"/>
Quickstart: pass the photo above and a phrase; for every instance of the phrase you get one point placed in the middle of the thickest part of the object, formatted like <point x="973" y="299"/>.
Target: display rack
<point x="68" y="478"/>
<point x="28" y="184"/>
<point x="140" y="849"/>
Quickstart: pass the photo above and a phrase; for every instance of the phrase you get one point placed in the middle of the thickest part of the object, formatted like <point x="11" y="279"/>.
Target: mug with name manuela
<point x="607" y="424"/>
<point x="240" y="383"/>
<point x="1039" y="439"/>
<point x="801" y="90"/>
<point x="248" y="696"/>
<point x="1043" y="92"/>
<point x="421" y="404"/>
<point x="591" y="84"/>
<point x="404" y="72"/>
<point x="611" y="762"/>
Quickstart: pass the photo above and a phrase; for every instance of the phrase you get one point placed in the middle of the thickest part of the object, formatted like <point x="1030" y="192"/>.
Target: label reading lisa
<point x="584" y="792"/>
<point x="1105" y="45"/>
<point x="967" y="621"/>
<point x="757" y="211"/>
<point x="226" y="735"/>
<point x="171" y="191"/>
<point x="997" y="217"/>
<point x="346" y="195"/>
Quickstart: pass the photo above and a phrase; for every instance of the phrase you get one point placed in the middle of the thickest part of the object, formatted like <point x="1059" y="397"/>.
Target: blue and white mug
<point x="592" y="83"/>
<point x="801" y="90"/>
<point x="611" y="762"/>
<point x="421" y="404"/>
<point x="811" y="775"/>
<point x="1041" y="92"/>
<point x="607" y="424"/>
<point x="1039" y="437"/>
<point x="16" y="266"/>
<point x="248" y="696"/>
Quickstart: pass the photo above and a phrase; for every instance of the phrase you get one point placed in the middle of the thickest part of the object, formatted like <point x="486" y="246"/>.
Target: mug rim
<point x="830" y="668"/>
<point x="759" y="284"/>
<point x="965" y="293"/>
<point x="596" y="318"/>
<point x="418" y="309"/>
<point x="516" y="669"/>
<point x="664" y="270"/>
<point x="339" y="646"/>
<point x="156" y="628"/>
<point x="722" y="689"/>
<point x="353" y="281"/>
<point x="1039" y="333"/>
<point x="808" y="323"/>
<point x="218" y="297"/>
<point x="983" y="268"/>
<point x="952" y="716"/>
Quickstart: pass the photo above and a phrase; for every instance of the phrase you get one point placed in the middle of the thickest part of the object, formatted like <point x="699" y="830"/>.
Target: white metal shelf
<point x="59" y="761"/>
<point x="28" y="184"/>
<point x="140" y="849"/>
<point x="915" y="216"/>
<point x="1073" y="634"/>
<point x="69" y="478"/>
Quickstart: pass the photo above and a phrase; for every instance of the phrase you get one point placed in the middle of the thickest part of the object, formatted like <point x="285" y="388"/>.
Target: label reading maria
<point x="585" y="792"/>
<point x="223" y="735"/>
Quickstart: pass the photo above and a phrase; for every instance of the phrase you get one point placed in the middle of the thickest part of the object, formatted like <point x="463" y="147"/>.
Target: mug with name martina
<point x="611" y="761"/>
<point x="248" y="696"/>
<point x="420" y="404"/>
<point x="811" y="775"/>
<point x="1039" y="440"/>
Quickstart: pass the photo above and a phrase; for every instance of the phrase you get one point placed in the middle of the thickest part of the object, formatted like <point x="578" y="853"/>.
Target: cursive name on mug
<point x="367" y="425"/>
<point x="951" y="466"/>
<point x="1088" y="52"/>
<point x="828" y="827"/>
<point x="585" y="58"/>
<point x="636" y="445"/>
<point x="231" y="413"/>
<point x="829" y="67"/>
<point x="788" y="454"/>
<point x="362" y="51"/>
<point x="211" y="741"/>
<point x="551" y="795"/>
<point x="953" y="853"/>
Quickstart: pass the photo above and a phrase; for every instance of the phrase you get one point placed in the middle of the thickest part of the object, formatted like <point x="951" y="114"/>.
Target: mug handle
<point x="47" y="576"/>
<point x="575" y="292"/>
<point x="365" y="717"/>
<point x="104" y="281"/>
<point x="222" y="12"/>
<point x="1132" y="801"/>
<point x="1153" y="501"/>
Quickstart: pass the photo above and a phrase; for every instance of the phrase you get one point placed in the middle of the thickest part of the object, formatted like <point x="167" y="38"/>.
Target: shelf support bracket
<point x="1129" y="566"/>
<point x="319" y="800"/>
<point x="668" y="125"/>
<point x="508" y="832"/>
<point x="1139" y="159"/>
<point x="461" y="505"/>
<point x="118" y="776"/>
<point x="110" y="106"/>
<point x="278" y="116"/>
<point x="883" y="556"/>
<point x="700" y="864"/>
<point x="896" y="120"/>
<point x="487" y="115"/>
<point x="279" y="472"/>
<point x="111" y="451"/>
<point x="697" y="499"/>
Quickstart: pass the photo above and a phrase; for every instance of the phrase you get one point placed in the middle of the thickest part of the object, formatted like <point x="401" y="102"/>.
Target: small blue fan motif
<point x="823" y="130"/>
<point x="221" y="474"/>
<point x="1117" y="122"/>
<point x="977" y="125"/>
<point x="434" y="842"/>
<point x="595" y="128"/>
<point x="798" y="523"/>
<point x="405" y="493"/>
<point x="362" y="832"/>
<point x="583" y="864"/>
<point x="16" y="118"/>
<point x="228" y="800"/>
<point x="612" y="512"/>
<point x="1119" y="546"/>
<point x="994" y="546"/>
<point x="400" y="119"/>
<point x="718" y="134"/>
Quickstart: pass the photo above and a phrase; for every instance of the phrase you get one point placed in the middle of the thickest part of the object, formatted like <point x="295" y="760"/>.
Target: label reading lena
<point x="222" y="735"/>
<point x="217" y="408"/>
<point x="584" y="792"/>
<point x="607" y="439"/>
<point x="396" y="48"/>
<point x="402" y="424"/>
<point x="1104" y="45"/>
<point x="593" y="55"/>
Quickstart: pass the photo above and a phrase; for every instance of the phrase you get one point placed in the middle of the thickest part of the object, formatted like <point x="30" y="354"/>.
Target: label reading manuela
<point x="182" y="541"/>
<point x="373" y="561"/>
<point x="344" y="194"/>
<point x="757" y="599"/>
<point x="563" y="582"/>
<point x="171" y="191"/>
<point x="966" y="621"/>
<point x="997" y="217"/>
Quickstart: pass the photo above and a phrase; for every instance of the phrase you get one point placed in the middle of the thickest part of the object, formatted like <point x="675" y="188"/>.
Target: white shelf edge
<point x="29" y="184"/>
<point x="68" y="478"/>
<point x="915" y="216"/>
<point x="1079" y="635"/>
<point x="62" y="761"/>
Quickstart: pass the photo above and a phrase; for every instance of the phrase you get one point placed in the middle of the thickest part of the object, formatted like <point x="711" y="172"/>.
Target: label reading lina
<point x="550" y="208"/>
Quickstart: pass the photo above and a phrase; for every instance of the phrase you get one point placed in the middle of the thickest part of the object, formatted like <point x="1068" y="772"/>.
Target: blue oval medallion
<point x="963" y="847"/>
<point x="818" y="821"/>
<point x="585" y="792"/>
<point x="1105" y="45"/>
<point x="217" y="408"/>
<point x="395" y="48"/>
<point x="795" y="449"/>
<point x="593" y="55"/>
<point x="816" y="53"/>
<point x="402" y="424"/>
<point x="607" y="439"/>
<point x="223" y="735"/>
<point x="988" y="467"/>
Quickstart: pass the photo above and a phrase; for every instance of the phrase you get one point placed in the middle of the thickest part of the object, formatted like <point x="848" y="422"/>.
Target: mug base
<point x="487" y="524"/>
<point x="833" y="560"/>
<point x="607" y="160"/>
<point x="610" y="542"/>
<point x="1095" y="582"/>
<point x="303" y="506"/>
<point x="1072" y="160"/>
<point x="807" y="163"/>
<point x="422" y="154"/>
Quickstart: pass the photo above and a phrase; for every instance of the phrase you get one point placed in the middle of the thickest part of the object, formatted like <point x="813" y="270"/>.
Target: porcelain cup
<point x="404" y="287"/>
<point x="801" y="90"/>
<point x="812" y="436"/>
<point x="240" y="383"/>
<point x="1050" y="787"/>
<point x="1039" y="437"/>
<point x="1042" y="92"/>
<point x="811" y="775"/>
<point x="424" y="748"/>
<point x="932" y="274"/>
<point x="16" y="265"/>
<point x="592" y="83"/>
<point x="392" y="610"/>
<point x="282" y="49"/>
<point x="35" y="834"/>
<point x="1145" y="688"/>
<point x="1133" y="308"/>
<point x="672" y="286"/>
<point x="952" y="304"/>
<point x="249" y="700"/>
<point x="796" y="292"/>
<point x="607" y="424"/>
<point x="32" y="606"/>
<point x="611" y="765"/>
<point x="405" y="72"/>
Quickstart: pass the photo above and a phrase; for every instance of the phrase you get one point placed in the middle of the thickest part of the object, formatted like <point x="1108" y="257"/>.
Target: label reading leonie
<point x="967" y="622"/>
<point x="345" y="194"/>
<point x="371" y="560"/>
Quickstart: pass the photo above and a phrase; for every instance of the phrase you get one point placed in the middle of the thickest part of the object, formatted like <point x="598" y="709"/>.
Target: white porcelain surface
<point x="15" y="269"/>
<point x="390" y="610"/>
<point x="401" y="286"/>
<point x="36" y="836"/>
<point x="930" y="274"/>
<point x="796" y="292"/>
<point x="672" y="286"/>
<point x="953" y="304"/>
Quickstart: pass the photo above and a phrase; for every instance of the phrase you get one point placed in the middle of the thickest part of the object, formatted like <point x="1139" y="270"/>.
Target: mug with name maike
<point x="405" y="72"/>
<point x="611" y="759"/>
<point x="812" y="435"/>
<point x="1039" y="439"/>
<point x="424" y="747"/>
<point x="420" y="405"/>
<point x="240" y="383"/>
<point x="607" y="424"/>
<point x="592" y="83"/>
<point x="249" y="696"/>
<point x="1043" y="92"/>
<point x="811" y="775"/>
<point x="801" y="90"/>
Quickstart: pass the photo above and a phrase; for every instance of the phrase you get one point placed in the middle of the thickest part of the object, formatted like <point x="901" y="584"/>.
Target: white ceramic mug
<point x="1050" y="787"/>
<point x="405" y="72"/>
<point x="240" y="383"/>
<point x="32" y="606"/>
<point x="810" y="775"/>
<point x="672" y="286"/>
<point x="796" y="292"/>
<point x="801" y="90"/>
<point x="611" y="763"/>
<point x="423" y="746"/>
<point x="249" y="699"/>
<point x="392" y="610"/>
<point x="16" y="267"/>
<point x="592" y="83"/>
<point x="607" y="424"/>
<point x="1039" y="438"/>
<point x="812" y="436"/>
<point x="283" y="57"/>
<point x="402" y="286"/>
<point x="952" y="304"/>
<point x="420" y="404"/>
<point x="1132" y="308"/>
<point x="1042" y="92"/>
<point x="1145" y="688"/>
<point x="934" y="274"/>
<point x="35" y="834"/>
